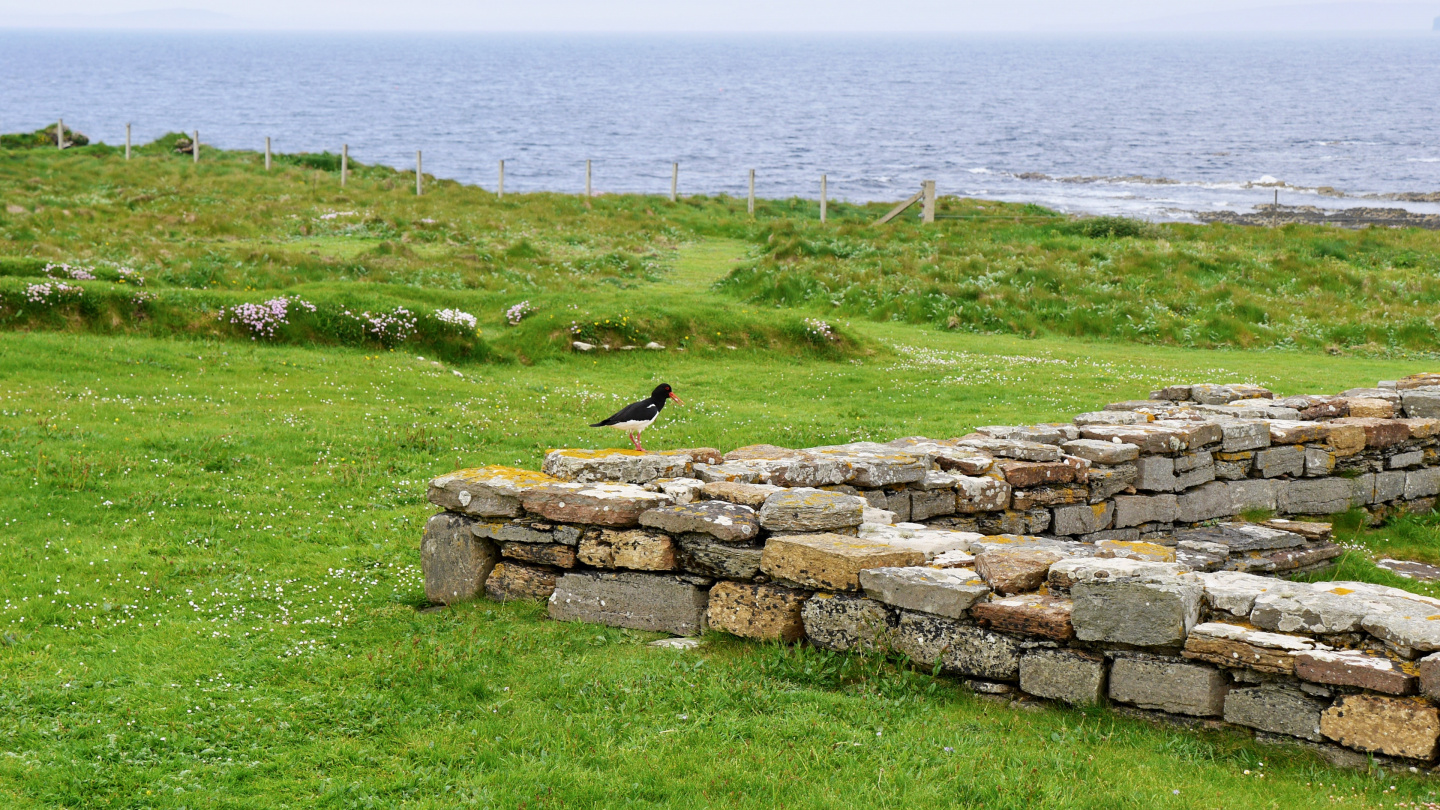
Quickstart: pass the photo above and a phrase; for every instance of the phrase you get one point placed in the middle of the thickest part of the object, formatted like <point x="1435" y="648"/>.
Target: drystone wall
<point x="1098" y="560"/>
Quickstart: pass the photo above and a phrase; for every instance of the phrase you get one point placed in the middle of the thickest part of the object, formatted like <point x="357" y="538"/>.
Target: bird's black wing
<point x="634" y="412"/>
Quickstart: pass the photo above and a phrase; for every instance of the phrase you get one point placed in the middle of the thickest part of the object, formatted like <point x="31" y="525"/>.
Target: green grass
<point x="212" y="583"/>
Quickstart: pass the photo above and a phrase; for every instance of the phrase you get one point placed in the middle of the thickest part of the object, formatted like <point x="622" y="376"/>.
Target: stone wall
<point x="1096" y="560"/>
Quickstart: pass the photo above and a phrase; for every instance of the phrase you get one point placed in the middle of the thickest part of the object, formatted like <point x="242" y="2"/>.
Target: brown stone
<point x="1026" y="474"/>
<point x="766" y="612"/>
<point x="1400" y="727"/>
<point x="512" y="580"/>
<point x="698" y="455"/>
<point x="1420" y="380"/>
<point x="540" y="553"/>
<point x="1422" y="428"/>
<point x="1370" y="408"/>
<point x="1026" y="499"/>
<point x="1345" y="440"/>
<point x="1309" y="530"/>
<point x="752" y="495"/>
<point x="1354" y="668"/>
<point x="1379" y="433"/>
<point x="1231" y="645"/>
<point x="762" y="452"/>
<point x="831" y="562"/>
<point x="1011" y="571"/>
<point x="1429" y="667"/>
<point x="1326" y="409"/>
<point x="1284" y="431"/>
<point x="637" y="550"/>
<point x="1031" y="614"/>
<point x="595" y="504"/>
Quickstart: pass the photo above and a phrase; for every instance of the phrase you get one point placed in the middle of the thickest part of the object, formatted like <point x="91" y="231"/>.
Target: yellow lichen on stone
<point x="606" y="452"/>
<point x="1139" y="549"/>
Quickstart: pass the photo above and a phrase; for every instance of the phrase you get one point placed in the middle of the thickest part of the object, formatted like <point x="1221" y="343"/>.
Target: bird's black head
<point x="662" y="392"/>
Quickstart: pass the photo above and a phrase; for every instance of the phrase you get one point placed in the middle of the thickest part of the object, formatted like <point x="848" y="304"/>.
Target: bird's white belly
<point x="633" y="427"/>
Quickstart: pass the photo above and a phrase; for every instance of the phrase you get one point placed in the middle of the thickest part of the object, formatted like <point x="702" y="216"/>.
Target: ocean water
<point x="1146" y="125"/>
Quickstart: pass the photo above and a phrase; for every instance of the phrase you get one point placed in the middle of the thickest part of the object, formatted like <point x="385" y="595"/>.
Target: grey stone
<point x="1205" y="502"/>
<point x="1275" y="709"/>
<point x="1389" y="486"/>
<point x="1362" y="489"/>
<point x="736" y="472"/>
<point x="876" y="498"/>
<point x="1169" y="686"/>
<point x="1238" y="435"/>
<point x="1232" y="470"/>
<point x="1252" y="494"/>
<point x="1152" y="611"/>
<point x="1243" y="537"/>
<point x="926" y="504"/>
<point x="979" y="653"/>
<point x="899" y="503"/>
<point x="1235" y="593"/>
<point x="924" y="639"/>
<point x="1101" y="452"/>
<point x="936" y="479"/>
<point x="1387" y="394"/>
<point x="1127" y="535"/>
<point x="1082" y="518"/>
<point x="1044" y="434"/>
<point x="929" y="541"/>
<point x="657" y="602"/>
<point x="1106" y="481"/>
<point x="454" y="561"/>
<point x="1318" y="496"/>
<point x="1110" y="418"/>
<point x="810" y="510"/>
<point x="1429" y="667"/>
<point x="1421" y="404"/>
<point x="1067" y="675"/>
<point x="704" y="555"/>
<point x="729" y="522"/>
<point x="1319" y="462"/>
<point x="1134" y="510"/>
<point x="1422" y="483"/>
<point x="1008" y="448"/>
<point x="840" y="622"/>
<point x="1066" y="573"/>
<point x="1286" y="459"/>
<point x="1401" y="461"/>
<point x="1194" y="469"/>
<point x="585" y="466"/>
<point x="944" y="592"/>
<point x="485" y="492"/>
<point x="1414" y="630"/>
<point x="1309" y="610"/>
<point x="977" y="494"/>
<point x="1155" y="474"/>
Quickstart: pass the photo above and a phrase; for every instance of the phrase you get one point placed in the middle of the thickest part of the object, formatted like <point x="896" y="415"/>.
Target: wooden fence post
<point x="127" y="141"/>
<point x="822" y="199"/>
<point x="418" y="174"/>
<point x="587" y="182"/>
<point x="195" y="148"/>
<point x="927" y="215"/>
<point x="344" y="163"/>
<point x="501" y="192"/>
<point x="267" y="153"/>
<point x="60" y="134"/>
<point x="750" y="204"/>
<point x="674" y="182"/>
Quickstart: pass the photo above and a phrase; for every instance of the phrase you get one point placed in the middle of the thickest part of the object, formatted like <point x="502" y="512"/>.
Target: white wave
<point x="980" y="170"/>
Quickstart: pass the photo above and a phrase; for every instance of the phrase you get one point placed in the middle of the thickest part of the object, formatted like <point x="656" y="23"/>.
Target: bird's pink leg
<point x="635" y="441"/>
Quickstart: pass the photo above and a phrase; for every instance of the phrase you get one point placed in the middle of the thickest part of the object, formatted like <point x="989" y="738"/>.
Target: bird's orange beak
<point x="677" y="399"/>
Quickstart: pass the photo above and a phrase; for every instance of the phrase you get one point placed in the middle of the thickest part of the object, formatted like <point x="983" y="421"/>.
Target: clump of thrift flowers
<point x="43" y="293"/>
<point x="817" y="328"/>
<point x="455" y="317"/>
<point x="263" y="319"/>
<point x="514" y="315"/>
<point x="72" y="271"/>
<point x="387" y="327"/>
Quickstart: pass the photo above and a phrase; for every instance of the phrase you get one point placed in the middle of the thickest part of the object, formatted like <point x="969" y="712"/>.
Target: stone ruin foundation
<point x="1101" y="560"/>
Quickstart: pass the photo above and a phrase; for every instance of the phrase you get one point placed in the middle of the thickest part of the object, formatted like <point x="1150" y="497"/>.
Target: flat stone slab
<point x="454" y="561"/>
<point x="1030" y="614"/>
<point x="1238" y="647"/>
<point x="1410" y="569"/>
<point x="811" y="510"/>
<point x="952" y="559"/>
<point x="1152" y="611"/>
<point x="751" y="495"/>
<point x="1066" y="573"/>
<point x="1071" y="676"/>
<point x="1243" y="537"/>
<point x="595" y="504"/>
<point x="1278" y="710"/>
<point x="765" y="612"/>
<point x="1323" y="608"/>
<point x="728" y="522"/>
<point x="1169" y="686"/>
<point x="1012" y="571"/>
<point x="556" y="554"/>
<point x="981" y="494"/>
<point x="1414" y="627"/>
<point x="1235" y="592"/>
<point x="636" y="549"/>
<point x="623" y="466"/>
<point x="1101" y="452"/>
<point x="873" y="466"/>
<point x="1009" y="448"/>
<point x="841" y="622"/>
<point x="704" y="555"/>
<point x="945" y="592"/>
<point x="656" y="602"/>
<point x="510" y="580"/>
<point x="485" y="491"/>
<point x="1400" y="727"/>
<point x="831" y="562"/>
<point x="1354" y="668"/>
<point x="930" y="542"/>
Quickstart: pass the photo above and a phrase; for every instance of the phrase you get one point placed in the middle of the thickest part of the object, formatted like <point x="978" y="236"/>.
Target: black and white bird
<point x="637" y="416"/>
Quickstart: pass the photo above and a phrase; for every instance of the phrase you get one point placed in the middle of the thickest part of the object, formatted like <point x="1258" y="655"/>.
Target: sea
<point x="1161" y="127"/>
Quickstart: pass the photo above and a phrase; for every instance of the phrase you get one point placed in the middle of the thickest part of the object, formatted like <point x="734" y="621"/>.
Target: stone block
<point x="840" y="622"/>
<point x="952" y="559"/>
<point x="1235" y="593"/>
<point x="899" y="504"/>
<point x="704" y="555"/>
<point x="829" y="561"/>
<point x="1194" y="469"/>
<point x="1088" y="418"/>
<point x="1387" y="394"/>
<point x="1278" y="710"/>
<point x="623" y="466"/>
<point x="1152" y="611"/>
<point x="1423" y="404"/>
<point x="1011" y="571"/>
<point x="733" y="473"/>
<point x="1398" y="727"/>
<point x="928" y="541"/>
<point x="1008" y="448"/>
<point x="1237" y="647"/>
<point x="1370" y="408"/>
<point x="1065" y="574"/>
<point x="1213" y="394"/>
<point x="945" y="592"/>
<point x="1155" y="474"/>
<point x="1362" y="489"/>
<point x="1134" y="510"/>
<point x="1319" y="462"/>
<point x="680" y="490"/>
<point x="979" y="653"/>
<point x="636" y="549"/>
<point x="1354" y="668"/>
<point x="809" y="471"/>
<point x="1044" y="434"/>
<point x="1379" y="433"/>
<point x="926" y="504"/>
<point x="1243" y="537"/>
<point x="765" y="612"/>
<point x="656" y="602"/>
<point x="1410" y="626"/>
<point x="596" y="504"/>
<point x="1286" y="459"/>
<point x="1136" y="550"/>
<point x="728" y="522"/>
<point x="486" y="491"/>
<point x="1286" y="431"/>
<point x="810" y="510"/>
<point x="1107" y="481"/>
<point x="1041" y="497"/>
<point x="1082" y="518"/>
<point x="1238" y="435"/>
<point x="1422" y="483"/>
<point x="1070" y="676"/>
<point x="1402" y="461"/>
<point x="1389" y="486"/>
<point x="1206" y="502"/>
<point x="875" y="465"/>
<point x="1169" y="686"/>
<point x="1034" y="521"/>
<point x="509" y="581"/>
<point x="1317" y="496"/>
<point x="1028" y="474"/>
<point x="1429" y="667"/>
<point x="560" y="556"/>
<point x="1031" y="614"/>
<point x="1309" y="610"/>
<point x="454" y="561"/>
<point x="1108" y="453"/>
<point x="979" y="494"/>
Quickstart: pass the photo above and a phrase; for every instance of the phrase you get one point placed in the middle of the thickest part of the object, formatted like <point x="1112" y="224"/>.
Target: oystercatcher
<point x="637" y="416"/>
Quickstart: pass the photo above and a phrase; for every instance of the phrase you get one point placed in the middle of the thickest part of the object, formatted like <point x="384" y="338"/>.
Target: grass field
<point x="213" y="589"/>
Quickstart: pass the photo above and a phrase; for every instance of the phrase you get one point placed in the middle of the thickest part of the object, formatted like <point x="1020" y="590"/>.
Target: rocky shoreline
<point x="1355" y="218"/>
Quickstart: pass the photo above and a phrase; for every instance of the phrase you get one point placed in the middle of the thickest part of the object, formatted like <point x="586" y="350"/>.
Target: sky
<point x="731" y="16"/>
